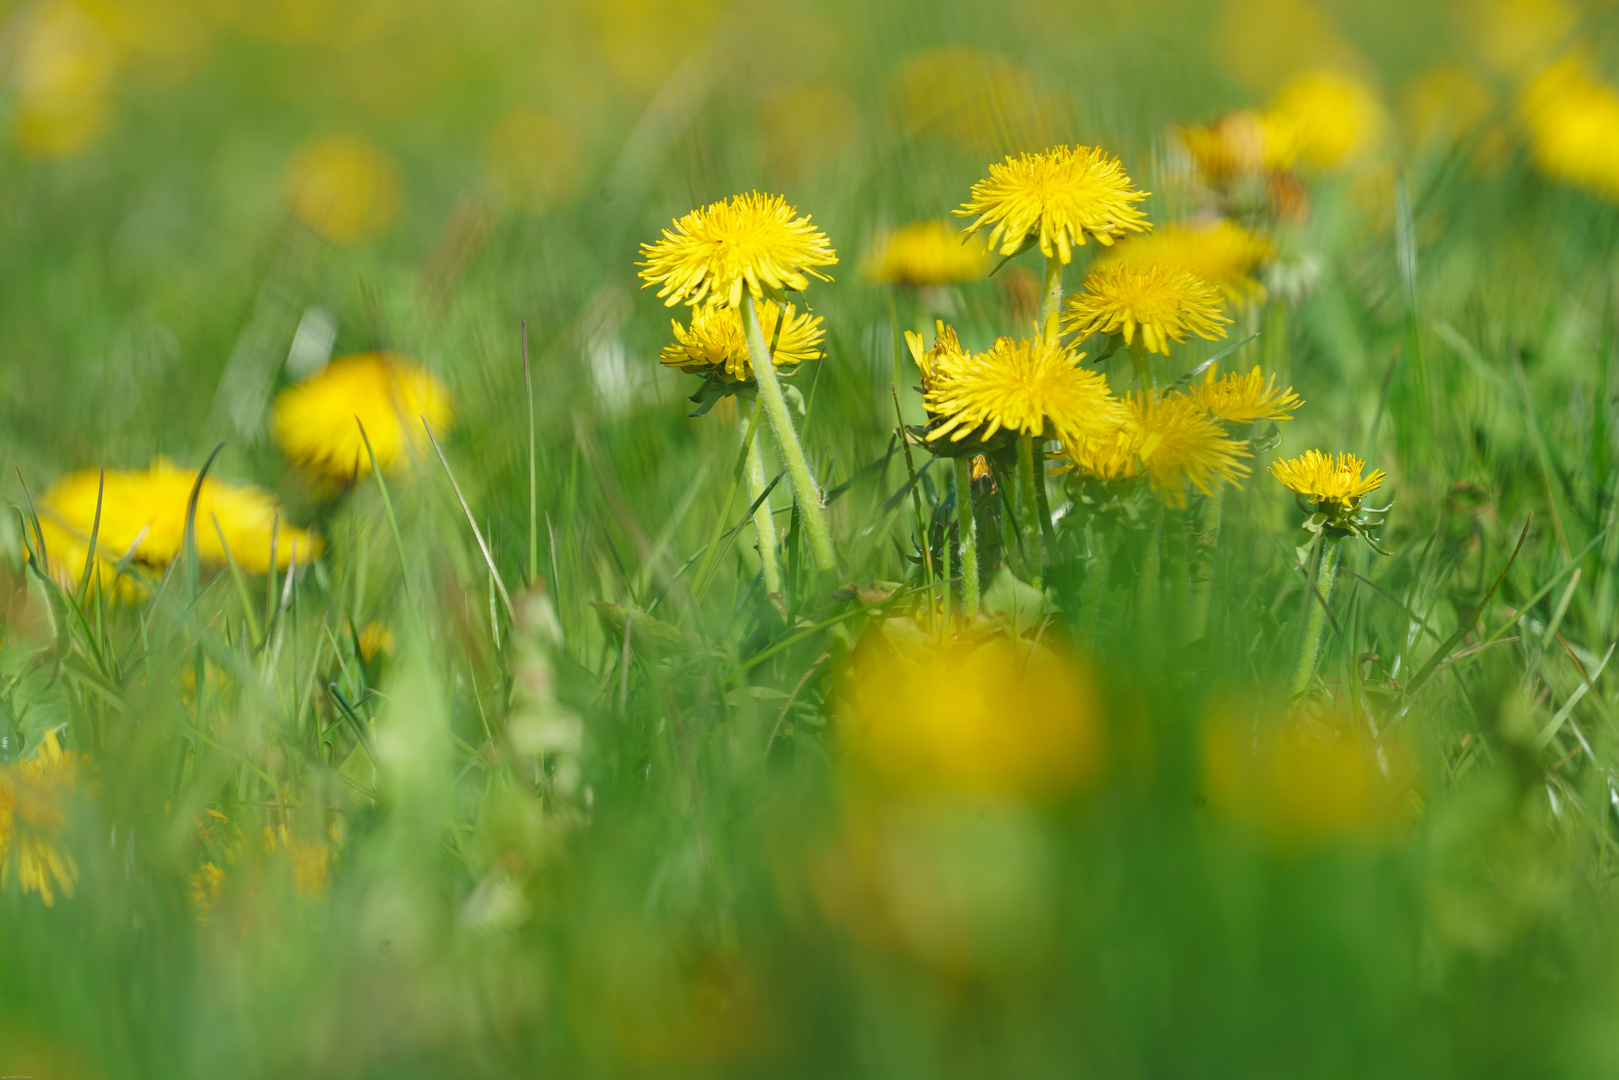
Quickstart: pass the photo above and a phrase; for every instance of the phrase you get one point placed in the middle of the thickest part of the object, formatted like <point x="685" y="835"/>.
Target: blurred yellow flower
<point x="1243" y="399"/>
<point x="204" y="888"/>
<point x="61" y="77"/>
<point x="33" y="814"/>
<point x="994" y="717"/>
<point x="342" y="187"/>
<point x="1177" y="442"/>
<point x="1221" y="252"/>
<point x="715" y="341"/>
<point x="315" y="421"/>
<point x="143" y="516"/>
<point x="751" y="241"/>
<point x="1572" y="119"/>
<point x="1164" y="302"/>
<point x="376" y="640"/>
<point x="1326" y="119"/>
<point x="1444" y="103"/>
<point x="983" y="101"/>
<point x="1237" y="144"/>
<point x="531" y="159"/>
<point x="1029" y="387"/>
<point x="924" y="253"/>
<point x="309" y="860"/>
<point x="1057" y="198"/>
<point x="1332" y="486"/>
<point x="1516" y="37"/>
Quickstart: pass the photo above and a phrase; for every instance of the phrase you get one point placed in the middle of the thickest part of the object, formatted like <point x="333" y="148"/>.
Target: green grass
<point x="647" y="893"/>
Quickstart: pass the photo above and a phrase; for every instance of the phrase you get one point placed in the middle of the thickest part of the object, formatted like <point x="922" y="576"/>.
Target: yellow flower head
<point x="33" y="796"/>
<point x="938" y="363"/>
<point x="1176" y="442"/>
<point x="343" y="187"/>
<point x="1222" y="253"/>
<point x="1572" y="119"/>
<point x="924" y="253"/>
<point x="1058" y="197"/>
<point x="1240" y="143"/>
<point x="1164" y="302"/>
<point x="315" y="421"/>
<point x="1020" y="386"/>
<point x="62" y="75"/>
<point x="751" y="241"/>
<point x="1244" y="399"/>
<point x="1325" y="119"/>
<point x="715" y="341"/>
<point x="1333" y="486"/>
<point x="143" y="515"/>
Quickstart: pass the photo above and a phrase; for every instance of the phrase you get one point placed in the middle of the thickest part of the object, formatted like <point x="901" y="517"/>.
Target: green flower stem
<point x="764" y="523"/>
<point x="1051" y="298"/>
<point x="1208" y="534"/>
<point x="967" y="528"/>
<point x="805" y="491"/>
<point x="1095" y="593"/>
<point x="944" y="583"/>
<point x="1042" y="504"/>
<point x="1151" y="562"/>
<point x="1143" y="365"/>
<point x="1027" y="511"/>
<point x="1317" y="619"/>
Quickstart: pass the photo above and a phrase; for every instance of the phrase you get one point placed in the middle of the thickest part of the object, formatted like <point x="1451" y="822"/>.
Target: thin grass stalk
<point x="1095" y="591"/>
<point x="1316" y="620"/>
<point x="764" y="522"/>
<point x="805" y="491"/>
<point x="1208" y="535"/>
<point x="967" y="529"/>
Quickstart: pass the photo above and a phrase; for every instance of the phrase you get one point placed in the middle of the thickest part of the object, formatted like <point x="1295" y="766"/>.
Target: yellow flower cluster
<point x="33" y="815"/>
<point x="715" y="341"/>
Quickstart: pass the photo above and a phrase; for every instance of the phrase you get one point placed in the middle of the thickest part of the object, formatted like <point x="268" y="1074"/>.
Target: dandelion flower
<point x="33" y="814"/>
<point x="1020" y="386"/>
<point x="389" y="394"/>
<point x="750" y="241"/>
<point x="924" y="253"/>
<point x="1173" y="442"/>
<point x="1572" y="119"/>
<point x="1164" y="303"/>
<point x="62" y="77"/>
<point x="1326" y="118"/>
<point x="1239" y="143"/>
<point x="1244" y="399"/>
<point x="715" y="341"/>
<point x="1333" y="486"/>
<point x="143" y="516"/>
<point x="1222" y="253"/>
<point x="938" y="363"/>
<point x="343" y="187"/>
<point x="1058" y="198"/>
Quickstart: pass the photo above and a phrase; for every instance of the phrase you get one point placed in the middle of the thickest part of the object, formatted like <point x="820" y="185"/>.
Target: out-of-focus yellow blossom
<point x="315" y="421"/>
<point x="994" y="717"/>
<point x="750" y="241"/>
<point x="1303" y="783"/>
<point x="642" y="41"/>
<point x="1239" y="143"/>
<point x="1171" y="440"/>
<point x="342" y="187"/>
<point x="143" y="515"/>
<point x="1031" y="387"/>
<point x="1444" y="103"/>
<point x="61" y="77"/>
<point x="204" y="888"/>
<point x="715" y="341"/>
<point x="1516" y="37"/>
<point x="924" y="253"/>
<point x="309" y="860"/>
<point x="1244" y="399"/>
<point x="531" y="159"/>
<point x="33" y="814"/>
<point x="1165" y="303"/>
<point x="983" y="101"/>
<point x="805" y="128"/>
<point x="1572" y="119"/>
<point x="161" y="41"/>
<point x="1057" y="198"/>
<point x="1262" y="42"/>
<point x="1334" y="486"/>
<point x="376" y="640"/>
<point x="1327" y="119"/>
<point x="1221" y="252"/>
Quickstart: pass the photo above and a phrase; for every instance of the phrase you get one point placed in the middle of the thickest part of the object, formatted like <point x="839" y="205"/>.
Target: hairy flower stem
<point x="1325" y="575"/>
<point x="1051" y="298"/>
<point x="1028" y="511"/>
<point x="967" y="529"/>
<point x="764" y="523"/>
<point x="805" y="491"/>
<point x="1208" y="534"/>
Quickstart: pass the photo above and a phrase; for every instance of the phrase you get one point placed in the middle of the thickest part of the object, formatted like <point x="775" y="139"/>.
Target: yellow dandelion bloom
<point x="309" y="859"/>
<point x="715" y="341"/>
<point x="1222" y="253"/>
<point x="1572" y="119"/>
<point x="750" y="241"/>
<point x="1164" y="302"/>
<point x="924" y="253"/>
<point x="341" y="186"/>
<point x="33" y="814"/>
<point x="389" y="394"/>
<point x="1326" y="118"/>
<point x="1057" y="197"/>
<point x="1176" y="443"/>
<point x="1331" y="485"/>
<point x="1240" y="143"/>
<point x="376" y="640"/>
<point x="1113" y="456"/>
<point x="1030" y="387"/>
<point x="1517" y="37"/>
<point x="938" y="363"/>
<point x="1244" y="399"/>
<point x="62" y="78"/>
<point x="143" y="516"/>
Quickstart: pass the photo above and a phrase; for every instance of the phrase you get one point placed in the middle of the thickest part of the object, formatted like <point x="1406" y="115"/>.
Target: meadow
<point x="701" y="538"/>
